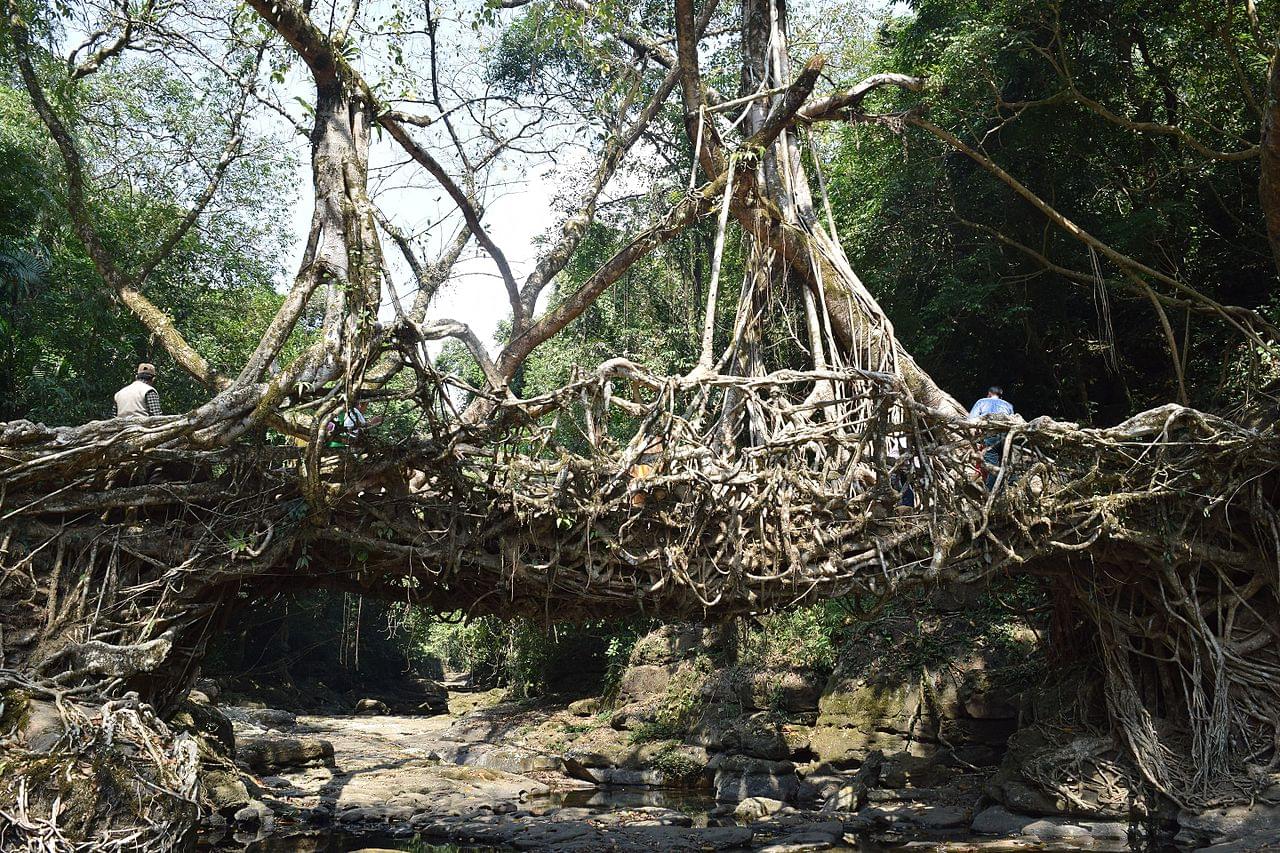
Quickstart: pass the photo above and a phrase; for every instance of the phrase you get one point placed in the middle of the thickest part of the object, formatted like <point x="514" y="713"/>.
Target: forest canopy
<point x="1122" y="118"/>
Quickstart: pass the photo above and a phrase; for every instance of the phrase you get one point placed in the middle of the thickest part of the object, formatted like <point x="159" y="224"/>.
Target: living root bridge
<point x="703" y="496"/>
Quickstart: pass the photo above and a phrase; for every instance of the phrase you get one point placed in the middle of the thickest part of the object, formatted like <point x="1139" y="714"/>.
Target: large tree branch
<point x="837" y="105"/>
<point x="680" y="216"/>
<point x="1158" y="129"/>
<point x="1135" y="284"/>
<point x="307" y="40"/>
<point x="642" y="43"/>
<point x="699" y="128"/>
<point x="1082" y="278"/>
<point x="469" y="212"/>
<point x="427" y="277"/>
<point x="282" y="324"/>
<point x="553" y="261"/>
<point x="788" y="105"/>
<point x="437" y="329"/>
<point x="438" y="274"/>
<point x="91" y="63"/>
<point x="1058" y="61"/>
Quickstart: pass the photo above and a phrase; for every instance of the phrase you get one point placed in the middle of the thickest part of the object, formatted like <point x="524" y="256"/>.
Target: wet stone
<point x="550" y="835"/>
<point x="1054" y="830"/>
<point x="755" y="808"/>
<point x="801" y="841"/>
<point x="941" y="818"/>
<point x="997" y="820"/>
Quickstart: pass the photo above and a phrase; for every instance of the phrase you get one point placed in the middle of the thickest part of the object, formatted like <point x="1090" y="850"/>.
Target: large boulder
<point x="210" y="688"/>
<point x="851" y="793"/>
<point x="643" y="682"/>
<point x="508" y="758"/>
<point x="878" y="703"/>
<point x="758" y="735"/>
<point x="600" y="747"/>
<point x="738" y="777"/>
<point x="268" y="754"/>
<point x="756" y="808"/>
<point x="857" y="716"/>
<point x="635" y="715"/>
<point x="962" y="712"/>
<point x="673" y="643"/>
<point x="433" y="696"/>
<point x="224" y="788"/>
<point x="997" y="820"/>
<point x="262" y="719"/>
<point x="1236" y="826"/>
<point x="212" y="728"/>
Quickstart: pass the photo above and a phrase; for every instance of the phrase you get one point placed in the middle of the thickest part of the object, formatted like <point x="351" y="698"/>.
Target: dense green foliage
<point x="65" y="345"/>
<point x="524" y="656"/>
<point x="920" y="221"/>
<point x="315" y="645"/>
<point x="924" y="224"/>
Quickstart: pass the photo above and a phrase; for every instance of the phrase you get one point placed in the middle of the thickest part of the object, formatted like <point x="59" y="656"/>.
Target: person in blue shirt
<point x="992" y="404"/>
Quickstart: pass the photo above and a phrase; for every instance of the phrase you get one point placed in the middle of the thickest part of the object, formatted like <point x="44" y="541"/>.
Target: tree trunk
<point x="1269" y="185"/>
<point x="861" y="329"/>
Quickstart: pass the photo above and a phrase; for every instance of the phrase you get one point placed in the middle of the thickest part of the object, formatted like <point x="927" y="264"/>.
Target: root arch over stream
<point x="733" y="495"/>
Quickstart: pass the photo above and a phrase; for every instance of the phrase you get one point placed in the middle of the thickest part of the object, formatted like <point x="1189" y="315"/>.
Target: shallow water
<point x="598" y="801"/>
<point x="338" y="841"/>
<point x="341" y="841"/>
<point x="387" y="751"/>
<point x="691" y="801"/>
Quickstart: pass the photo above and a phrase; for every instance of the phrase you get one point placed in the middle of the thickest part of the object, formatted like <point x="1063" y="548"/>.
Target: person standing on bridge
<point x="139" y="398"/>
<point x="992" y="404"/>
<point x="349" y="427"/>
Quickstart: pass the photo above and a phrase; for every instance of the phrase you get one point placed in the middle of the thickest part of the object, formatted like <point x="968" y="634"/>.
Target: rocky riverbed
<point x="480" y="779"/>
<point x="695" y="752"/>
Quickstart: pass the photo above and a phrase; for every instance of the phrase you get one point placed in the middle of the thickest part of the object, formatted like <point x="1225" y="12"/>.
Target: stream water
<point x="603" y="801"/>
<point x="338" y="841"/>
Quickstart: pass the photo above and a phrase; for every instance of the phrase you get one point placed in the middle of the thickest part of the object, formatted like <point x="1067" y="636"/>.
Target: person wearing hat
<point x="139" y="398"/>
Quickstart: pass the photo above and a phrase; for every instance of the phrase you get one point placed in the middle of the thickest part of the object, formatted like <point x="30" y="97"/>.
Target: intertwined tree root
<point x="704" y="497"/>
<point x="105" y="778"/>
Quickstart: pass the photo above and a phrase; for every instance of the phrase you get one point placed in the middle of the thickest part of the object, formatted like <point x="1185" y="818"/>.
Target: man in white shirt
<point x="992" y="404"/>
<point x="353" y="424"/>
<point x="139" y="398"/>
